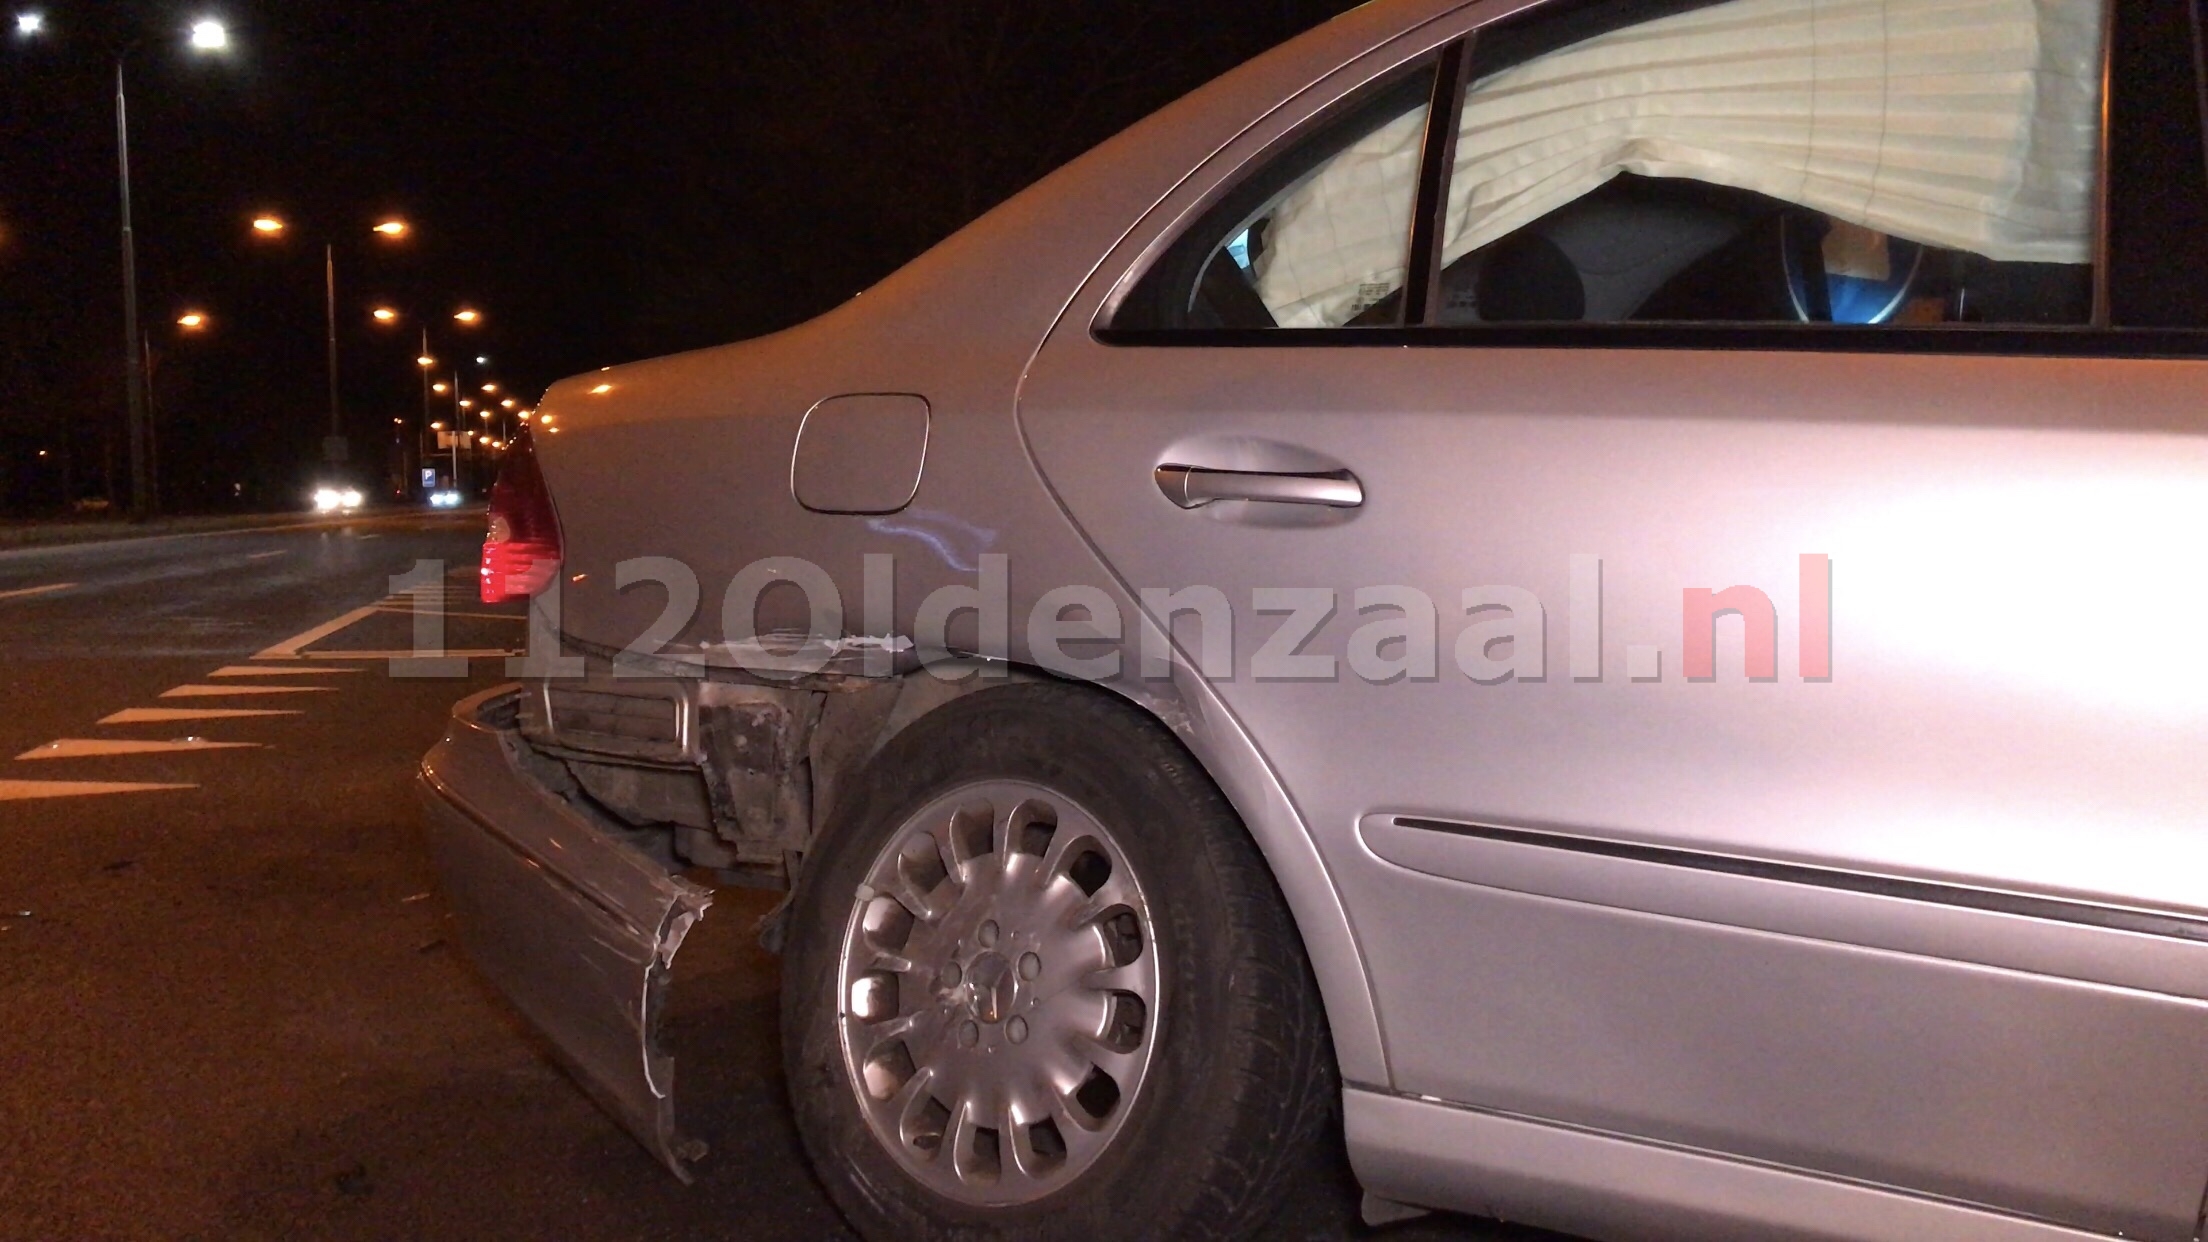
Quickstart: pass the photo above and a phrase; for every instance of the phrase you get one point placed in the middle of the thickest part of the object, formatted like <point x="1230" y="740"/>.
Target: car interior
<point x="1655" y="250"/>
<point x="1948" y="187"/>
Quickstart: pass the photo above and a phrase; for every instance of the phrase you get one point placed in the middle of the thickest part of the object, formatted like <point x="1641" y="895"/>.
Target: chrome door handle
<point x="1193" y="486"/>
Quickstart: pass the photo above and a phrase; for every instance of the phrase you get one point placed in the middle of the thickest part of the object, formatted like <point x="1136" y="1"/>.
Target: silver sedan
<point x="1604" y="594"/>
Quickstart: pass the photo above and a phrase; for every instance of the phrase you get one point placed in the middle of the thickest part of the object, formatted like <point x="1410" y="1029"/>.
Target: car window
<point x="1915" y="162"/>
<point x="1318" y="238"/>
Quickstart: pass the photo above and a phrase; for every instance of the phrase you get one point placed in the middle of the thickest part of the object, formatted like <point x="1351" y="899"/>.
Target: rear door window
<point x="1916" y="162"/>
<point x="1935" y="165"/>
<point x="1318" y="238"/>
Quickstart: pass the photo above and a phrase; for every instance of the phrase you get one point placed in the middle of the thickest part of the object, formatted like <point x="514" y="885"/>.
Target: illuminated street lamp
<point x="468" y="317"/>
<point x="207" y="35"/>
<point x="508" y="403"/>
<point x="272" y="226"/>
<point x="30" y="24"/>
<point x="190" y="323"/>
<point x="440" y="387"/>
<point x="425" y="360"/>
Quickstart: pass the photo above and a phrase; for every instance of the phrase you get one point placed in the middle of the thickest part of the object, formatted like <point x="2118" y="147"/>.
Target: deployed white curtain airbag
<point x="1969" y="124"/>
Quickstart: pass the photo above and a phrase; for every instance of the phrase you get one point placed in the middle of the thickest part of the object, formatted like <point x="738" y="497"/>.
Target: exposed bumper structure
<point x="576" y="927"/>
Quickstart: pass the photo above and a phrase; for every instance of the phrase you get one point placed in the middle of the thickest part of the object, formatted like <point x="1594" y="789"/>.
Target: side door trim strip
<point x="2166" y="924"/>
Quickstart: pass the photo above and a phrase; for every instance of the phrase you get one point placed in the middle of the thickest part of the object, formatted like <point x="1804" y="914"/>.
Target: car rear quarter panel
<point x="689" y="457"/>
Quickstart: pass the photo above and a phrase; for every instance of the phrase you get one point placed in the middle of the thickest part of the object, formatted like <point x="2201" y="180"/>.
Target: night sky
<point x="604" y="181"/>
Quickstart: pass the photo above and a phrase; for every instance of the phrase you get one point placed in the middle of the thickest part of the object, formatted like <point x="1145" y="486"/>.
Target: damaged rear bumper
<point x="575" y="926"/>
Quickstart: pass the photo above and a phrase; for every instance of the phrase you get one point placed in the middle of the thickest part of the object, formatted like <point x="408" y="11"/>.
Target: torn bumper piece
<point x="576" y="927"/>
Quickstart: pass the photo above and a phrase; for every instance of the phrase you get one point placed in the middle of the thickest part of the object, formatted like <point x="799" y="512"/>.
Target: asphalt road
<point x="230" y="1006"/>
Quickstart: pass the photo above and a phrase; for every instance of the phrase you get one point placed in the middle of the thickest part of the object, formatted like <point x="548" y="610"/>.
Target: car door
<point x="1734" y="654"/>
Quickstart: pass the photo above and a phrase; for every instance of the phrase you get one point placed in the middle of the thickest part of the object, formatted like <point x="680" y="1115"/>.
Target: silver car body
<point x="1917" y="950"/>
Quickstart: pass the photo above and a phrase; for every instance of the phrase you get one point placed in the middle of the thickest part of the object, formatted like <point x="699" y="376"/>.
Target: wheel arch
<point x="1187" y="707"/>
<point x="834" y="725"/>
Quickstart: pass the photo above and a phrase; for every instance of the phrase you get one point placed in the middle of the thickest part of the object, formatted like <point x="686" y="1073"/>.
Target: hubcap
<point x="1000" y="988"/>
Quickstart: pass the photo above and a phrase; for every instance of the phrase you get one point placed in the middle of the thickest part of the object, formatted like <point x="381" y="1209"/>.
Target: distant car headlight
<point x="336" y="500"/>
<point x="445" y="499"/>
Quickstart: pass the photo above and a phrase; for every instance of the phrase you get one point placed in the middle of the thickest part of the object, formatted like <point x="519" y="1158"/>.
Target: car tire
<point x="1230" y="1069"/>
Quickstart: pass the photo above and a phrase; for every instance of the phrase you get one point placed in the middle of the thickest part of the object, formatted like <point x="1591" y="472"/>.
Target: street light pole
<point x="333" y="449"/>
<point x="206" y="36"/>
<point x="426" y="364"/>
<point x="141" y="497"/>
<point x="153" y="420"/>
<point x="458" y="428"/>
<point x="333" y="445"/>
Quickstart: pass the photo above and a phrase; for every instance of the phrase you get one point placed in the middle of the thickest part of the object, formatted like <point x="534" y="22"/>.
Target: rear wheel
<point x="1041" y="985"/>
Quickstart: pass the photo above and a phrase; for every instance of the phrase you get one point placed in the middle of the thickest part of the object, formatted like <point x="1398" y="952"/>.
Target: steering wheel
<point x="1852" y="297"/>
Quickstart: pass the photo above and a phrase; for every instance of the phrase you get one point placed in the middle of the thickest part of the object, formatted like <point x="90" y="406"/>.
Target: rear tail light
<point x="521" y="555"/>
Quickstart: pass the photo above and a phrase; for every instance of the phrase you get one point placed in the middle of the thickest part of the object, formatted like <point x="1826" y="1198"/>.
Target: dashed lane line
<point x="26" y="592"/>
<point x="19" y="791"/>
<point x="94" y="747"/>
<point x="291" y="649"/>
<point x="212" y="692"/>
<point x="164" y="715"/>
<point x="262" y="556"/>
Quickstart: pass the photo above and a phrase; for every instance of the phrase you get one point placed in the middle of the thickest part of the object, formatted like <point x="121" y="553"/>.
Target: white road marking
<point x="210" y="692"/>
<point x="262" y="556"/>
<point x="17" y="791"/>
<point x="48" y="589"/>
<point x="295" y="647"/>
<point x="249" y="670"/>
<point x="289" y="649"/>
<point x="162" y="715"/>
<point x="470" y="616"/>
<point x="487" y="653"/>
<point x="92" y="748"/>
